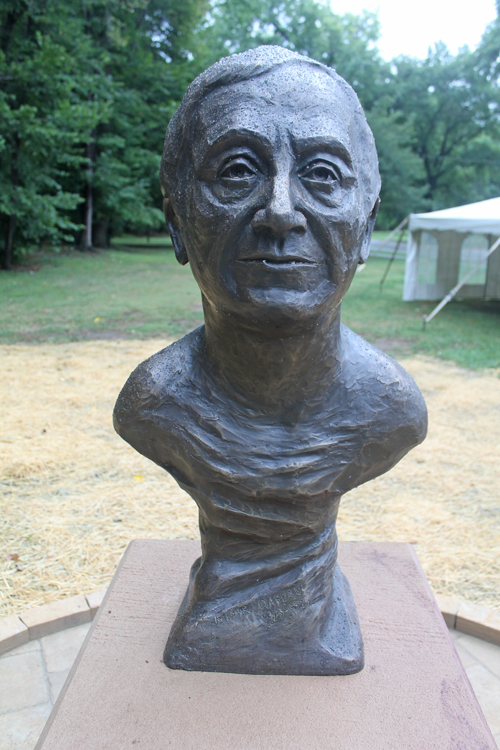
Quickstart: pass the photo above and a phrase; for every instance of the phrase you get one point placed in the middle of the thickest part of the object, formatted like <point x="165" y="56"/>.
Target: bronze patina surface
<point x="272" y="410"/>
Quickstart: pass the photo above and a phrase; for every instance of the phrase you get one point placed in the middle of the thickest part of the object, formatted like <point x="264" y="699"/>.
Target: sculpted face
<point x="273" y="216"/>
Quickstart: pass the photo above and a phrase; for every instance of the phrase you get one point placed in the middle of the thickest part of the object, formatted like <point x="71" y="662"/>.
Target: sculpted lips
<point x="280" y="262"/>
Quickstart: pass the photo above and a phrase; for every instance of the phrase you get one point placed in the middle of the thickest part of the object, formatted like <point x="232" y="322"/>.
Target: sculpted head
<point x="270" y="181"/>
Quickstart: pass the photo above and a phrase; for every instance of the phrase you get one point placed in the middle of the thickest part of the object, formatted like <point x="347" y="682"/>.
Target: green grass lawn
<point x="144" y="292"/>
<point x="131" y="240"/>
<point x="464" y="332"/>
<point x="114" y="293"/>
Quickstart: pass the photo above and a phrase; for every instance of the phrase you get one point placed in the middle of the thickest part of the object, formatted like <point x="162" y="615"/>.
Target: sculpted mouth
<point x="279" y="262"/>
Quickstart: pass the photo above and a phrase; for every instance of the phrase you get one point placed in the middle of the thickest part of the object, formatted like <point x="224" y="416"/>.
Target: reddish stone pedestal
<point x="413" y="693"/>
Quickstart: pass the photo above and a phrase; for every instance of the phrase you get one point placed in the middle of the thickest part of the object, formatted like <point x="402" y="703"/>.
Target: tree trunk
<point x="101" y="233"/>
<point x="88" y="215"/>
<point x="89" y="198"/>
<point x="9" y="238"/>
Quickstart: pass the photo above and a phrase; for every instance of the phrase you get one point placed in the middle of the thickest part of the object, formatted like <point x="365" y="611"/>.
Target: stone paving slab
<point x="23" y="682"/>
<point x="32" y="675"/>
<point x="20" y="730"/>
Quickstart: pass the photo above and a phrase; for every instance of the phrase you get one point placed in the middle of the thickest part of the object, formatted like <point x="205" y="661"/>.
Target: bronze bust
<point x="272" y="410"/>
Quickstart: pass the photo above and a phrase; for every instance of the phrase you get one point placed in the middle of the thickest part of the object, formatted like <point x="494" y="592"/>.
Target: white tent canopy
<point x="443" y="246"/>
<point x="482" y="217"/>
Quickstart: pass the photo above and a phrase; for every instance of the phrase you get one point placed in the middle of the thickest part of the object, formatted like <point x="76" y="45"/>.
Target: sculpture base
<point x="412" y="693"/>
<point x="271" y="634"/>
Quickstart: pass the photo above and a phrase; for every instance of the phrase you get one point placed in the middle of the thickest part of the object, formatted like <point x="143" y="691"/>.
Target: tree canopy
<point x="87" y="89"/>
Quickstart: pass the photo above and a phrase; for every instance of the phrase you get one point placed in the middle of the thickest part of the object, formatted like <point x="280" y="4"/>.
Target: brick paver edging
<point x="471" y="619"/>
<point x="16" y="630"/>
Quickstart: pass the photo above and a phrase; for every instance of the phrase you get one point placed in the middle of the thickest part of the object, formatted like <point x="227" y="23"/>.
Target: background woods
<point x="87" y="88"/>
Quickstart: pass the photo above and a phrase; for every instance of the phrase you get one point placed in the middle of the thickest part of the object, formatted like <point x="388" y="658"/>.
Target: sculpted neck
<point x="292" y="371"/>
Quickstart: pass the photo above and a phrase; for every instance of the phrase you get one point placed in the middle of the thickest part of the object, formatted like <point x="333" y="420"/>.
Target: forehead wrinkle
<point x="224" y="104"/>
<point x="228" y="121"/>
<point x="274" y="92"/>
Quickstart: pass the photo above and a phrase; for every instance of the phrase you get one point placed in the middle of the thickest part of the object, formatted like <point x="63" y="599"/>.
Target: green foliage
<point x="140" y="49"/>
<point x="400" y="168"/>
<point x="87" y="88"/>
<point x="305" y="26"/>
<point x="452" y="106"/>
<point x="40" y="126"/>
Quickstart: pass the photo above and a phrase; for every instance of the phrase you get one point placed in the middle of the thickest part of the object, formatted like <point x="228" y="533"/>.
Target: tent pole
<point x="391" y="259"/>
<point x="391" y="235"/>
<point x="456" y="289"/>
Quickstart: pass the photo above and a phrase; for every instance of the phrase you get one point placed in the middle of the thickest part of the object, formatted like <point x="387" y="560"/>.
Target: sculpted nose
<point x="280" y="216"/>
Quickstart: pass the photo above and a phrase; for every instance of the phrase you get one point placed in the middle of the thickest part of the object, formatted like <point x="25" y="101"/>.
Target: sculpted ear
<point x="175" y="235"/>
<point x="365" y="247"/>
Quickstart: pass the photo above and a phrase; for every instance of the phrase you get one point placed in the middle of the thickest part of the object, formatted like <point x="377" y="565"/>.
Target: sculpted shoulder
<point x="386" y="389"/>
<point x="156" y="382"/>
<point x="386" y="400"/>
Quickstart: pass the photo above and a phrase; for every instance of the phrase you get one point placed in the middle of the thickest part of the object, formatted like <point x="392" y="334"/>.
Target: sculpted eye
<point x="320" y="172"/>
<point x="238" y="170"/>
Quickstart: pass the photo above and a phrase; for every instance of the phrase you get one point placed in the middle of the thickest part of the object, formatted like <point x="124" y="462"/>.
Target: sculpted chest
<point x="230" y="457"/>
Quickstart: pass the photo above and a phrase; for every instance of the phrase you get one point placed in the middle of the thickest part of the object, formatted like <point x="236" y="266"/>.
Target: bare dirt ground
<point x="73" y="494"/>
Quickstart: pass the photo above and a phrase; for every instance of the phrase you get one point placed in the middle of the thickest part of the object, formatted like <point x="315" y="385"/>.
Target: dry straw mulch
<point x="73" y="494"/>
